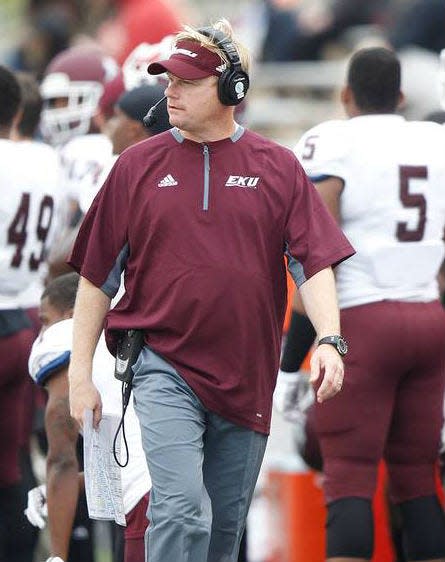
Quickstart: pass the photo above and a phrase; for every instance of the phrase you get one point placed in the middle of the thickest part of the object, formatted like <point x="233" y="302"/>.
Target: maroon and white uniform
<point x="29" y="182"/>
<point x="392" y="208"/>
<point x="206" y="279"/>
<point x="51" y="352"/>
<point x="85" y="159"/>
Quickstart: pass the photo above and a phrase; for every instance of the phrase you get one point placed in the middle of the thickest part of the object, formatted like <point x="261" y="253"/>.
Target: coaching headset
<point x="233" y="82"/>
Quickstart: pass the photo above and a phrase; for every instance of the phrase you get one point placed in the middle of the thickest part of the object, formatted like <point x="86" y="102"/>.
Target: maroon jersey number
<point x="46" y="211"/>
<point x="309" y="147"/>
<point x="412" y="201"/>
<point x="18" y="233"/>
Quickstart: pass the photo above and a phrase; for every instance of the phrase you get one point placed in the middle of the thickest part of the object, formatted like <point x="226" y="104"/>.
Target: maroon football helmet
<point x="73" y="83"/>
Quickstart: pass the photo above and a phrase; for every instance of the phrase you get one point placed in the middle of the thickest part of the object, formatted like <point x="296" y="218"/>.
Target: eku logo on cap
<point x="185" y="52"/>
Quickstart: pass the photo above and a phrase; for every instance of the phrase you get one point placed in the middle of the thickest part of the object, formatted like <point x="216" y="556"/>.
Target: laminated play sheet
<point x="103" y="485"/>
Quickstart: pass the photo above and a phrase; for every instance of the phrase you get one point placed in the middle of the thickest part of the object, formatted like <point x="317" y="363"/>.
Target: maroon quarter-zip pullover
<point x="201" y="231"/>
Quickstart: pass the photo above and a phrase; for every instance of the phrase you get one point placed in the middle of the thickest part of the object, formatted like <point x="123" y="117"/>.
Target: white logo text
<point x="185" y="52"/>
<point x="243" y="181"/>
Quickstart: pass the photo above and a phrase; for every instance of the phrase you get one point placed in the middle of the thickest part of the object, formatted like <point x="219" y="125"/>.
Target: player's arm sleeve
<point x="101" y="249"/>
<point x="300" y="338"/>
<point x="313" y="240"/>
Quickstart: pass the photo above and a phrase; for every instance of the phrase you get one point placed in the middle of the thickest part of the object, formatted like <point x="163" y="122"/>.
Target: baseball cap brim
<point x="179" y="68"/>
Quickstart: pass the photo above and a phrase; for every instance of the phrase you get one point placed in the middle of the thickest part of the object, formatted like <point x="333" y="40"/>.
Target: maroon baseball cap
<point x="189" y="60"/>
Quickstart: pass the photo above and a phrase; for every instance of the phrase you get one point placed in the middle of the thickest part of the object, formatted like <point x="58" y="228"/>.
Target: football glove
<point x="293" y="395"/>
<point x="37" y="509"/>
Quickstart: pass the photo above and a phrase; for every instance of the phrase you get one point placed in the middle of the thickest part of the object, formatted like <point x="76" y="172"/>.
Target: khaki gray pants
<point x="204" y="469"/>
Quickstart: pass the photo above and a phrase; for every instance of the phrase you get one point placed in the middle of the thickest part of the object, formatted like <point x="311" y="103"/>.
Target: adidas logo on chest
<point x="168" y="181"/>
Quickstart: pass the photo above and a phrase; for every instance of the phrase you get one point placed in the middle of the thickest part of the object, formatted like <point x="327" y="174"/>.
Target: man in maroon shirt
<point x="199" y="219"/>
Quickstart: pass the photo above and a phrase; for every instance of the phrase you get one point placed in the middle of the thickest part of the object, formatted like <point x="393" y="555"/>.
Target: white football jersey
<point x="88" y="191"/>
<point x="31" y="197"/>
<point x="83" y="160"/>
<point x="392" y="206"/>
<point x="50" y="352"/>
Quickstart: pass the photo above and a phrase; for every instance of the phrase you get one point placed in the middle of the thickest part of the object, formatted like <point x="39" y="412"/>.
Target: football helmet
<point x="135" y="66"/>
<point x="71" y="89"/>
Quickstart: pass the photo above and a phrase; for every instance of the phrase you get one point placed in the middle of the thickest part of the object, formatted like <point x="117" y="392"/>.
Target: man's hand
<point x="84" y="396"/>
<point x="327" y="363"/>
<point x="37" y="509"/>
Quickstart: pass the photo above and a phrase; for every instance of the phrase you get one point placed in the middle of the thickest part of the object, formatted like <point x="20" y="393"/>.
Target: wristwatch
<point x="338" y="342"/>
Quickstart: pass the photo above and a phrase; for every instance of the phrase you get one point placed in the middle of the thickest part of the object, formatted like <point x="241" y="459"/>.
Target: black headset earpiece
<point x="233" y="82"/>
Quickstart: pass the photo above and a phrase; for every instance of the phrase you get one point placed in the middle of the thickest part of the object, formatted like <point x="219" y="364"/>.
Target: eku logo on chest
<point x="242" y="181"/>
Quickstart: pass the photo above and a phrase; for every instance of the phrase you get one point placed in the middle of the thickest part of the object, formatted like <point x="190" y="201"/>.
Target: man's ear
<point x="141" y="132"/>
<point x="135" y="128"/>
<point x="15" y="135"/>
<point x="401" y="100"/>
<point x="348" y="100"/>
<point x="346" y="95"/>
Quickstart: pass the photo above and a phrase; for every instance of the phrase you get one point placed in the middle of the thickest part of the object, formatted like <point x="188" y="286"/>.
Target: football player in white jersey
<point x="31" y="177"/>
<point x="73" y="84"/>
<point x="26" y="215"/>
<point x="126" y="128"/>
<point x="71" y="89"/>
<point x="48" y="365"/>
<point x="383" y="178"/>
<point x="35" y="151"/>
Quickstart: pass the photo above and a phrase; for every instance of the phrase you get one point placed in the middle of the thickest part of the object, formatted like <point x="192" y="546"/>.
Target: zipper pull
<point x="206" y="152"/>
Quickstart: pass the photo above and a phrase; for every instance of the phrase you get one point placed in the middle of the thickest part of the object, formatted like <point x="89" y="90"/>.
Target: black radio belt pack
<point x="128" y="349"/>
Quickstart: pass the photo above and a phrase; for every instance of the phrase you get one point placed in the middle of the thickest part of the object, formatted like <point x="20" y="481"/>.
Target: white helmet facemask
<point x="61" y="123"/>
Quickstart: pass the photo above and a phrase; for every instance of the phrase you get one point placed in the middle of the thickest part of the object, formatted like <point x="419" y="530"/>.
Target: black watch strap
<point x="337" y="341"/>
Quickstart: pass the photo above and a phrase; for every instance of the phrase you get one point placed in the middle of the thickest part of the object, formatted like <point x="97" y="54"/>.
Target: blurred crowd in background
<point x="32" y="32"/>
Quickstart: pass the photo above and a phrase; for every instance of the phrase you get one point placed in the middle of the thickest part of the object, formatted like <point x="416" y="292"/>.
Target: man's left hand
<point x="327" y="363"/>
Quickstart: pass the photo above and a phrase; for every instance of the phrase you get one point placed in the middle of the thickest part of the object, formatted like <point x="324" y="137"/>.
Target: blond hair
<point x="193" y="34"/>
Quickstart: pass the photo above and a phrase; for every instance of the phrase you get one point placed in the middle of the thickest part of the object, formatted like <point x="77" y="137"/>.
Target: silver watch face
<point x="342" y="346"/>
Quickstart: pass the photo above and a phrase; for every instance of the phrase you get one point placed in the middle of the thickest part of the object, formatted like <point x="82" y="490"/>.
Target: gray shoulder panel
<point x="295" y="269"/>
<point x="112" y="283"/>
